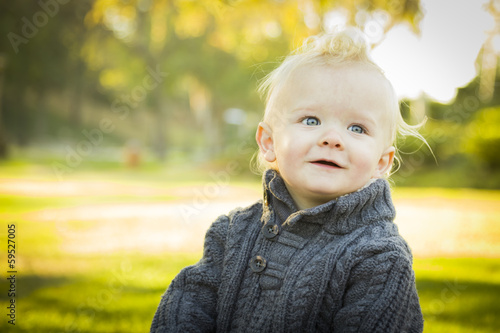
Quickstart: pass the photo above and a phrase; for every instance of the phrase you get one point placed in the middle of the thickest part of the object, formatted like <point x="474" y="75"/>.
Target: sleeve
<point x="381" y="295"/>
<point x="189" y="304"/>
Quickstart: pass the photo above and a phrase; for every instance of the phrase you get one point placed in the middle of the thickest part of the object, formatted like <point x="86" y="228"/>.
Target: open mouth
<point x="327" y="163"/>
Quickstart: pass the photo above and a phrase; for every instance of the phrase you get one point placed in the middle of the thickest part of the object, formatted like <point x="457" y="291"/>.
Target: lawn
<point x="119" y="293"/>
<point x="459" y="294"/>
<point x="82" y="269"/>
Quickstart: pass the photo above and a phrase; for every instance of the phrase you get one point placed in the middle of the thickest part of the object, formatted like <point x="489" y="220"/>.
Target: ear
<point x="385" y="163"/>
<point x="265" y="141"/>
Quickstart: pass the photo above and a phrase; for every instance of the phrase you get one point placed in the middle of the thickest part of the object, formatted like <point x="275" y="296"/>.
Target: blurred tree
<point x="201" y="54"/>
<point x="487" y="61"/>
<point x="3" y="139"/>
<point x="482" y="138"/>
<point x="209" y="48"/>
<point x="462" y="137"/>
<point x="41" y="53"/>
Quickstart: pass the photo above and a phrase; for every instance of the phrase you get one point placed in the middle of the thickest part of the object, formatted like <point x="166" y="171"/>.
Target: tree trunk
<point x="76" y="101"/>
<point x="3" y="136"/>
<point x="160" y="144"/>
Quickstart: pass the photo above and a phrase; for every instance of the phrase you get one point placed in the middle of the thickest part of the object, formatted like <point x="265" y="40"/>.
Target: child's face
<point x="329" y="131"/>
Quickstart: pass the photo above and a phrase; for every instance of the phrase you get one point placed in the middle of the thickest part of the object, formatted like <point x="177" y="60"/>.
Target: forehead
<point x="337" y="83"/>
<point x="359" y="87"/>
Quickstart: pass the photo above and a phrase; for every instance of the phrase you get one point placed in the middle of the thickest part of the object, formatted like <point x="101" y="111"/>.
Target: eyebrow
<point x="364" y="115"/>
<point x="306" y="108"/>
<point x="367" y="118"/>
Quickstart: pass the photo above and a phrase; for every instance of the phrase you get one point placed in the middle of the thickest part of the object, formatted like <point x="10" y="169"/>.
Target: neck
<point x="370" y="204"/>
<point x="316" y="199"/>
<point x="306" y="203"/>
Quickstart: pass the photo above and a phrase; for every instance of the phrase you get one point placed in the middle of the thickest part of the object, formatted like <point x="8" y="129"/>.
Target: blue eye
<point x="311" y="121"/>
<point x="356" y="129"/>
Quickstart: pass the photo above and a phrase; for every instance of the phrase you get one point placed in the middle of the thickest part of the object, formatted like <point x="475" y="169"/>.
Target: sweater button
<point x="270" y="230"/>
<point x="258" y="264"/>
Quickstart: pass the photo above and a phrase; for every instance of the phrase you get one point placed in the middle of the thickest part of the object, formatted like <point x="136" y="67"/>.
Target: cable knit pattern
<point x="338" y="267"/>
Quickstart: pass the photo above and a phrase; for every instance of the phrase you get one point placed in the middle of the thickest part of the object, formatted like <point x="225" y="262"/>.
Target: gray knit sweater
<point x="338" y="267"/>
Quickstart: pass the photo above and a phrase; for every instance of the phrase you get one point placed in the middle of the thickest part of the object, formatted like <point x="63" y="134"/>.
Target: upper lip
<point x="327" y="162"/>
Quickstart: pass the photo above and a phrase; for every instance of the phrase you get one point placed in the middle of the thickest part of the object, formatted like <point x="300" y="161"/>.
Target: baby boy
<point x="320" y="252"/>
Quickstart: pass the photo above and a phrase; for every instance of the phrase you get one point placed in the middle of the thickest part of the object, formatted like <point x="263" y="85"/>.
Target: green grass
<point x="445" y="193"/>
<point x="23" y="204"/>
<point x="119" y="292"/>
<point x="110" y="293"/>
<point x="170" y="172"/>
<point x="459" y="294"/>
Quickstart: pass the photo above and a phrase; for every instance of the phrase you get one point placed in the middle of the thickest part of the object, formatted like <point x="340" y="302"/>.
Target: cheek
<point x="366" y="157"/>
<point x="286" y="143"/>
<point x="285" y="150"/>
<point x="365" y="164"/>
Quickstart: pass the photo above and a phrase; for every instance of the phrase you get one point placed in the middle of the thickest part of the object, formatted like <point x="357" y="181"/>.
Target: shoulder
<point x="237" y="217"/>
<point x="376" y="257"/>
<point x="245" y="214"/>
<point x="253" y="208"/>
<point x="377" y="284"/>
<point x="382" y="240"/>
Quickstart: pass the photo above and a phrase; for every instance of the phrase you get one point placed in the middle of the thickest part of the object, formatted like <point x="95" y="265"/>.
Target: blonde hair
<point x="348" y="46"/>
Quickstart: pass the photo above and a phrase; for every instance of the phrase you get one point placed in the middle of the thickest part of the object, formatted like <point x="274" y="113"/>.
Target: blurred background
<point x="127" y="126"/>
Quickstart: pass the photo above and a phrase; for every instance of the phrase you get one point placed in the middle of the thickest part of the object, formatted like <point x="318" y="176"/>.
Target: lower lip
<point x="327" y="166"/>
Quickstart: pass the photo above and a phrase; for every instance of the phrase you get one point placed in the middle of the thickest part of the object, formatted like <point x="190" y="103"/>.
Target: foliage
<point x="463" y="136"/>
<point x="483" y="136"/>
<point x="39" y="50"/>
<point x="66" y="61"/>
<point x="92" y="60"/>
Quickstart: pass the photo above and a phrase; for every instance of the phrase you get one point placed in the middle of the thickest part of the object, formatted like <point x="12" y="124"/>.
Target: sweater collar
<point x="339" y="216"/>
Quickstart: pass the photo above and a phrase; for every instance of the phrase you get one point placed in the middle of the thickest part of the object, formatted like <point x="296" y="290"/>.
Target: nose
<point x="332" y="139"/>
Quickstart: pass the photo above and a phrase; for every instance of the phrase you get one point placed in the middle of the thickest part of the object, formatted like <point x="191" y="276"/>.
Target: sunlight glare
<point x="443" y="57"/>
